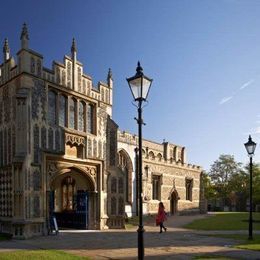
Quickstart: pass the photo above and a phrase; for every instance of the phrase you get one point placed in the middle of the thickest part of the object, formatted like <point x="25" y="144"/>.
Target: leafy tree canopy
<point x="223" y="169"/>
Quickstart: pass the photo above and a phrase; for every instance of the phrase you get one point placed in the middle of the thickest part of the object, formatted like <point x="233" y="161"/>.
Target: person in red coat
<point x="161" y="217"/>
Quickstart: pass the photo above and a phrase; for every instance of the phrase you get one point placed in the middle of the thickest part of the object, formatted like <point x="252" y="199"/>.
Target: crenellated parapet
<point x="164" y="153"/>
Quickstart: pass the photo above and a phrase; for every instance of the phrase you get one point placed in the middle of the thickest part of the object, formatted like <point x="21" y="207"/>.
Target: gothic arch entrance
<point x="72" y="199"/>
<point x="174" y="202"/>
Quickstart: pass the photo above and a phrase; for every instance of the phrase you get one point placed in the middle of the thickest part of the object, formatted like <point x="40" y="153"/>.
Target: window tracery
<point x="52" y="109"/>
<point x="62" y="110"/>
<point x="81" y="118"/>
<point x="68" y="191"/>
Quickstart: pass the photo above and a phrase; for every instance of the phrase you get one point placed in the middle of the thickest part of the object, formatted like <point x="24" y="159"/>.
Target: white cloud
<point x="225" y="99"/>
<point x="256" y="130"/>
<point x="248" y="83"/>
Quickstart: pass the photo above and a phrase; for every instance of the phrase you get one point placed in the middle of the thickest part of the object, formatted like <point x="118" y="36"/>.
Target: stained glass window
<point x="90" y="118"/>
<point x="62" y="110"/>
<point x="82" y="121"/>
<point x="72" y="110"/>
<point x="52" y="109"/>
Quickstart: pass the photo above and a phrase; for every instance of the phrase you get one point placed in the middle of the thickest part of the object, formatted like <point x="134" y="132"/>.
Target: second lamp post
<point x="250" y="147"/>
<point x="140" y="85"/>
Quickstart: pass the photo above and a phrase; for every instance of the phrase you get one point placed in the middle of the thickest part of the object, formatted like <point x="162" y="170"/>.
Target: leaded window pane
<point x="113" y="206"/>
<point x="90" y="119"/>
<point x="81" y="116"/>
<point x="120" y="185"/>
<point x="52" y="108"/>
<point x="62" y="110"/>
<point x="72" y="110"/>
<point x="121" y="206"/>
<point x="113" y="185"/>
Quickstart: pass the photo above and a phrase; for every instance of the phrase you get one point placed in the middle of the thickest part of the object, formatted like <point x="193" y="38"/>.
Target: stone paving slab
<point x="176" y="243"/>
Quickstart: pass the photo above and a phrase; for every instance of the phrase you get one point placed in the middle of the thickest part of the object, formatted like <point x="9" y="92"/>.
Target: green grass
<point x="38" y="254"/>
<point x="225" y="221"/>
<point x="244" y="243"/>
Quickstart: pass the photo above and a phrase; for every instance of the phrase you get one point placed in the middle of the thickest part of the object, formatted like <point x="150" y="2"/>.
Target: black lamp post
<point x="250" y="147"/>
<point x="140" y="86"/>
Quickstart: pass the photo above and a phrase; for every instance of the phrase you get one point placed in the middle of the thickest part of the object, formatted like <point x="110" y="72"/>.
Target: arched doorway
<point x="72" y="199"/>
<point x="174" y="203"/>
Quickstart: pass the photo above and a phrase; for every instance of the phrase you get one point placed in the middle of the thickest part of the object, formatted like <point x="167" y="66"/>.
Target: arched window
<point x="82" y="121"/>
<point x="72" y="111"/>
<point x="68" y="190"/>
<point x="151" y="155"/>
<point x="90" y="118"/>
<point x="189" y="185"/>
<point x="52" y="109"/>
<point x="62" y="110"/>
<point x="159" y="157"/>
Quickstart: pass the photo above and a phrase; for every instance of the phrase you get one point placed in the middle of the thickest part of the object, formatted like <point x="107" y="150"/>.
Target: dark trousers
<point x="161" y="226"/>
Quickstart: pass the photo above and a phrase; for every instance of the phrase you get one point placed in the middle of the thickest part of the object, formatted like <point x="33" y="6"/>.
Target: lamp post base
<point x="140" y="231"/>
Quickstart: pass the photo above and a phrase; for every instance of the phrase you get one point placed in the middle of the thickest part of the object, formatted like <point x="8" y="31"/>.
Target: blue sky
<point x="204" y="58"/>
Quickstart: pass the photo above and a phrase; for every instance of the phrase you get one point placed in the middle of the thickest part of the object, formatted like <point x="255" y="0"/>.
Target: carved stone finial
<point x="6" y="50"/>
<point x="109" y="74"/>
<point x="24" y="34"/>
<point x="73" y="46"/>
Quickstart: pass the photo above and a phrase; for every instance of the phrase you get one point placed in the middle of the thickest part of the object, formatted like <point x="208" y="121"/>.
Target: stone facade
<point x="166" y="177"/>
<point x="61" y="154"/>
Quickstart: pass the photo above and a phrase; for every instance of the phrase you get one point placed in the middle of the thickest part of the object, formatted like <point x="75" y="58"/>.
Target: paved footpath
<point x="176" y="243"/>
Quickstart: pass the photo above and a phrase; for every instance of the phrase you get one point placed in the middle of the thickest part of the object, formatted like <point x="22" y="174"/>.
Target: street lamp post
<point x="250" y="147"/>
<point x="140" y="86"/>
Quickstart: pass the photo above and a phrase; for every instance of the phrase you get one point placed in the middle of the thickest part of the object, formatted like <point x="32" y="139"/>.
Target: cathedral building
<point x="62" y="155"/>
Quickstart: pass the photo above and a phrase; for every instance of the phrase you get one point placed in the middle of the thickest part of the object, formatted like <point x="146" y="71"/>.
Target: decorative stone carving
<point x="52" y="168"/>
<point x="36" y="143"/>
<point x="43" y="137"/>
<point x="75" y="139"/>
<point x="39" y="68"/>
<point x="39" y="96"/>
<point x="6" y="104"/>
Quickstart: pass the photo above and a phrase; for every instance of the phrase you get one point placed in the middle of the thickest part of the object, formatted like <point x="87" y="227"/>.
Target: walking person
<point x="161" y="217"/>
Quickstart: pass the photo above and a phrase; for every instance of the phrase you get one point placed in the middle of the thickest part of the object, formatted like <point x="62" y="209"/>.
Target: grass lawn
<point x="38" y="254"/>
<point x="225" y="221"/>
<point x="244" y="243"/>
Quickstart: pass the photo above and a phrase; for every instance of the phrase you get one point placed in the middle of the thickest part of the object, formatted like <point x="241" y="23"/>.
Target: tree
<point x="224" y="174"/>
<point x="256" y="183"/>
